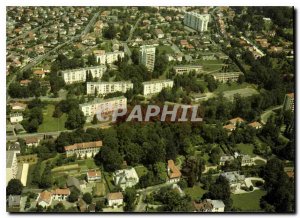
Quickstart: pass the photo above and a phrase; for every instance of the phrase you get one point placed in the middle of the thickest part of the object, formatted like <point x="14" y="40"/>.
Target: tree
<point x="129" y="199"/>
<point x="14" y="187"/>
<point x="280" y="190"/>
<point x="73" y="197"/>
<point x="135" y="56"/>
<point x="220" y="190"/>
<point x="95" y="119"/>
<point x="110" y="158"/>
<point x="75" y="119"/>
<point x="110" y="32"/>
<point x="87" y="197"/>
<point x="99" y="206"/>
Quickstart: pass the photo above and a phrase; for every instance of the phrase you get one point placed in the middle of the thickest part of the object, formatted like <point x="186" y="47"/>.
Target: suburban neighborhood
<point x="70" y="70"/>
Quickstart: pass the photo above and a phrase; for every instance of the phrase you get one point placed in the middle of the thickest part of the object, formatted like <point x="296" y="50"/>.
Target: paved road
<point x="265" y="115"/>
<point x="55" y="133"/>
<point x="141" y="206"/>
<point x="133" y="28"/>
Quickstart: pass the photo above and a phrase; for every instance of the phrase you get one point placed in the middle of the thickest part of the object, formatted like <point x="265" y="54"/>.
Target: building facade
<point x="104" y="88"/>
<point x="79" y="75"/>
<point x="196" y="21"/>
<point x="61" y="194"/>
<point x="83" y="149"/>
<point x="152" y="87"/>
<point x="93" y="175"/>
<point x="115" y="199"/>
<point x="103" y="57"/>
<point x="288" y="103"/>
<point x="147" y="56"/>
<point x="11" y="165"/>
<point x="182" y="69"/>
<point x="224" y="77"/>
<point x="105" y="106"/>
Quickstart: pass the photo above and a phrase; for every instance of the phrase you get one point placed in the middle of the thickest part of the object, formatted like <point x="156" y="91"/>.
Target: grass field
<point x="248" y="202"/>
<point x="246" y="149"/>
<point x="233" y="86"/>
<point x="165" y="48"/>
<point x="195" y="192"/>
<point x="141" y="170"/>
<point x="51" y="124"/>
<point x="100" y="189"/>
<point x="244" y="92"/>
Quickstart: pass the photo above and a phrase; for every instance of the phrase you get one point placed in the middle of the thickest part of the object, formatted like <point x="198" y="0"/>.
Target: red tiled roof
<point x="30" y="140"/>
<point x="236" y="119"/>
<point x="58" y="191"/>
<point x="255" y="124"/>
<point x="45" y="196"/>
<point x="115" y="196"/>
<point x="291" y="95"/>
<point x="229" y="127"/>
<point x="175" y="172"/>
<point x="93" y="173"/>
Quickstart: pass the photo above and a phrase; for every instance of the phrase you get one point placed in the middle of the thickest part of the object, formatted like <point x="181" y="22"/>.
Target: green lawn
<point x="246" y="148"/>
<point x="141" y="170"/>
<point x="51" y="124"/>
<point x="99" y="189"/>
<point x="165" y="48"/>
<point x="89" y="163"/>
<point x="195" y="192"/>
<point x="244" y="92"/>
<point x="233" y="86"/>
<point x="248" y="202"/>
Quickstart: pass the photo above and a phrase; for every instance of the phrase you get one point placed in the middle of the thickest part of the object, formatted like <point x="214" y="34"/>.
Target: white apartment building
<point x="103" y="105"/>
<point x="182" y="69"/>
<point x="11" y="165"/>
<point x="83" y="149"/>
<point x="103" y="57"/>
<point x="115" y="199"/>
<point x="152" y="87"/>
<point x="79" y="75"/>
<point x="147" y="56"/>
<point x="224" y="77"/>
<point x="196" y="21"/>
<point x="103" y="88"/>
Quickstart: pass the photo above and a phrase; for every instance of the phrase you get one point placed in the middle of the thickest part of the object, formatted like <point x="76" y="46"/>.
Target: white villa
<point x="126" y="178"/>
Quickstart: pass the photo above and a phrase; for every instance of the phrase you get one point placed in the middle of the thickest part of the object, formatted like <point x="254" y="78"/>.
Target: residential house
<point x="18" y="106"/>
<point x="225" y="158"/>
<point x="125" y="178"/>
<point x="236" y="181"/>
<point x="61" y="194"/>
<point x="229" y="127"/>
<point x="32" y="141"/>
<point x="39" y="73"/>
<point x="208" y="205"/>
<point x="159" y="33"/>
<point x="174" y="173"/>
<point x="289" y="103"/>
<point x="247" y="160"/>
<point x="115" y="199"/>
<point x="93" y="175"/>
<point x="255" y="125"/>
<point x="25" y="82"/>
<point x="44" y="199"/>
<point x="14" y="201"/>
<point x="237" y="120"/>
<point x="16" y="117"/>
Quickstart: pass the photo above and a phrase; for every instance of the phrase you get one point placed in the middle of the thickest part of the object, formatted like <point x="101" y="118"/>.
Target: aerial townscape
<point x="67" y="67"/>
